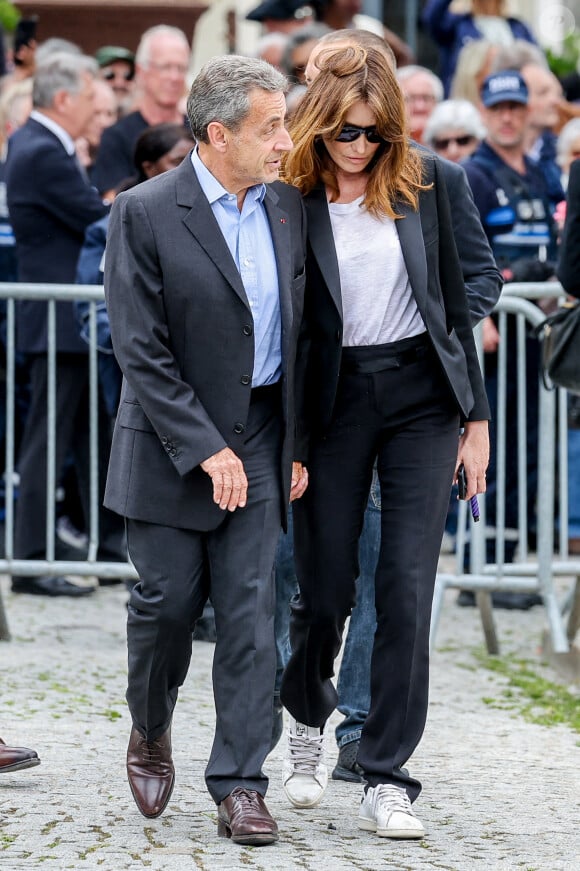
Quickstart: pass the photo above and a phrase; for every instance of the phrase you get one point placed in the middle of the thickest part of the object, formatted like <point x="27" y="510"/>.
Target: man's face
<point x="506" y="124"/>
<point x="78" y="108"/>
<point x="255" y="150"/>
<point x="420" y="100"/>
<point x="163" y="79"/>
<point x="120" y="76"/>
<point x="104" y="112"/>
<point x="544" y="94"/>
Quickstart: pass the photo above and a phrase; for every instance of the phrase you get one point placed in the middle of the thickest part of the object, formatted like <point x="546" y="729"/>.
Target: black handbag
<point x="559" y="336"/>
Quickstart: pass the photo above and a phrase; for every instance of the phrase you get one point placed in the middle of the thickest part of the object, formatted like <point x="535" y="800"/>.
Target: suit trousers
<point x="233" y="564"/>
<point x="72" y="437"/>
<point x="405" y="417"/>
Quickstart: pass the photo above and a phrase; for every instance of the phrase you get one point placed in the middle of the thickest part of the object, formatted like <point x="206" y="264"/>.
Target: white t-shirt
<point x="377" y="301"/>
<point x="494" y="29"/>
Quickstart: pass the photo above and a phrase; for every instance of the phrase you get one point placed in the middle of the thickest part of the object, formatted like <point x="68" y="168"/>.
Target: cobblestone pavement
<point x="499" y="792"/>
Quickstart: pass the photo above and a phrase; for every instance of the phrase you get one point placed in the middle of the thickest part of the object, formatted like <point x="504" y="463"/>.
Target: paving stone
<point x="499" y="793"/>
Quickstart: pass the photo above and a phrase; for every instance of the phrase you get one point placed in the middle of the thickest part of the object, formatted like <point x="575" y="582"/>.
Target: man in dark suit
<point x="50" y="204"/>
<point x="204" y="279"/>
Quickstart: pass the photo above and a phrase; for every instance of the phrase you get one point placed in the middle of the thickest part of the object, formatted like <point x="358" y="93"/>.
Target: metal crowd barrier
<point x="53" y="293"/>
<point x="526" y="574"/>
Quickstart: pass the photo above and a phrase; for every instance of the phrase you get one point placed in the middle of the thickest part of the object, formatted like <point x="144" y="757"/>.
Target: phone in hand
<point x="462" y="482"/>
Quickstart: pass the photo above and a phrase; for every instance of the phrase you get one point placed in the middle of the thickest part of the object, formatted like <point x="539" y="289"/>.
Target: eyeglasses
<point x="109" y="75"/>
<point x="443" y="144"/>
<point x="350" y="133"/>
<point x="164" y="69"/>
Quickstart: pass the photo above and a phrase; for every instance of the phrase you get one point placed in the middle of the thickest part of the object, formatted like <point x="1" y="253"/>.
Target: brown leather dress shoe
<point x="244" y="817"/>
<point x="16" y="758"/>
<point x="150" y="771"/>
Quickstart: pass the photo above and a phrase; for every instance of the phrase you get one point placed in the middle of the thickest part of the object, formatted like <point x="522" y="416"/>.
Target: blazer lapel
<point x="322" y="243"/>
<point x="201" y="222"/>
<point x="411" y="239"/>
<point x="280" y="229"/>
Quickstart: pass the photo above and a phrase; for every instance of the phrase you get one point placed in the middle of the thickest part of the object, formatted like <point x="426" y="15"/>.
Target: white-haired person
<point x="422" y="90"/>
<point x="454" y="130"/>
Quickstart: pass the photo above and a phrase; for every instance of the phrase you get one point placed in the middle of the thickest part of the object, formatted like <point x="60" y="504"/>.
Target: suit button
<point x="338" y="335"/>
<point x="245" y="379"/>
<point x="164" y="440"/>
<point x="172" y="452"/>
<point x="248" y="330"/>
<point x="239" y="428"/>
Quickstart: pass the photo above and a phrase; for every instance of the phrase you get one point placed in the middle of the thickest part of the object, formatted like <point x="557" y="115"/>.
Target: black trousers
<point x="72" y="437"/>
<point x="178" y="568"/>
<point x="405" y="417"/>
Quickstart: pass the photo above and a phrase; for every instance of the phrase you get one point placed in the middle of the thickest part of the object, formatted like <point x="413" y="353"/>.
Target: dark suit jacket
<point x="182" y="332"/>
<point x="436" y="279"/>
<point x="50" y="205"/>
<point x="569" y="266"/>
<point x="482" y="278"/>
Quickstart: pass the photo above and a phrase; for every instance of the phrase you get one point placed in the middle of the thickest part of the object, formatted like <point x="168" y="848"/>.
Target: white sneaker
<point x="386" y="810"/>
<point x="304" y="776"/>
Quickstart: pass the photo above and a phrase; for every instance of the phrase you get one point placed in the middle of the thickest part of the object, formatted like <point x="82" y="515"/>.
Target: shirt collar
<point x="213" y="189"/>
<point x="59" y="132"/>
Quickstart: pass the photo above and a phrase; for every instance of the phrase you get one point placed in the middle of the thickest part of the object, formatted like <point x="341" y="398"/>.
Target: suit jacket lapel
<point x="321" y="242"/>
<point x="201" y="222"/>
<point x="280" y="229"/>
<point x="411" y="239"/>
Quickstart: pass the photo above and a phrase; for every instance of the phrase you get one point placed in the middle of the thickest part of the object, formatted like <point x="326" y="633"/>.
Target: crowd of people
<point x="289" y="319"/>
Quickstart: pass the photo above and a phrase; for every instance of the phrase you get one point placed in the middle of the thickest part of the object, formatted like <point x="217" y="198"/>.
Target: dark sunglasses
<point x="111" y="74"/>
<point x="443" y="144"/>
<point x="350" y="133"/>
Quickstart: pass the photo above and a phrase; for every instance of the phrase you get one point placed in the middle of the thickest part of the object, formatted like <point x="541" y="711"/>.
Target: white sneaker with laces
<point x="386" y="810"/>
<point x="304" y="776"/>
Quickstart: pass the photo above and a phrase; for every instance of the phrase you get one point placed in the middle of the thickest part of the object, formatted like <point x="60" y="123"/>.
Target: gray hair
<point x="61" y="71"/>
<point x="221" y="91"/>
<point x="569" y="133"/>
<point x="142" y="55"/>
<point x="517" y="55"/>
<point x="52" y="46"/>
<point x="407" y="72"/>
<point x="453" y="115"/>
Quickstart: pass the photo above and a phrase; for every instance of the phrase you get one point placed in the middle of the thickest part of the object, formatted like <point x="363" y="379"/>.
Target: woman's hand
<point x="474" y="454"/>
<point x="299" y="481"/>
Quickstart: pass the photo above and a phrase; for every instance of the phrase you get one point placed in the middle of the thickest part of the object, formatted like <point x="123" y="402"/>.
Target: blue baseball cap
<point x="506" y="86"/>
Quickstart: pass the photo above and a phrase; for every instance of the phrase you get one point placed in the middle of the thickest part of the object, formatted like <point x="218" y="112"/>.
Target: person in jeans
<point x="354" y="691"/>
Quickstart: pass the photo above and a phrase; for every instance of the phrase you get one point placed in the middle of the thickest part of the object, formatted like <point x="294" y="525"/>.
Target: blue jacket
<point x="451" y="32"/>
<point x="515" y="210"/>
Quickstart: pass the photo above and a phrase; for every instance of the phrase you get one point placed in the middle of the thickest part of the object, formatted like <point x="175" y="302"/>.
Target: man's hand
<point x="299" y="481"/>
<point x="230" y="485"/>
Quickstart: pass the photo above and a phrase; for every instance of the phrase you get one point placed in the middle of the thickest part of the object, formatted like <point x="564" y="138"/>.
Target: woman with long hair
<point x="390" y="377"/>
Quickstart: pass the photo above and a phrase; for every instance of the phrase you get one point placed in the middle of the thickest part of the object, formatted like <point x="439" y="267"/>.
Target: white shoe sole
<point x="399" y="834"/>
<point x="304" y="803"/>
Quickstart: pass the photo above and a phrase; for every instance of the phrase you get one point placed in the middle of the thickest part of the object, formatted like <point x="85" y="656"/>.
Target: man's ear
<point x="218" y="136"/>
<point x="61" y="101"/>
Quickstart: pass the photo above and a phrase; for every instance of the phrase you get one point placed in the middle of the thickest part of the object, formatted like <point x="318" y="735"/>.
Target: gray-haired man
<point x="204" y="282"/>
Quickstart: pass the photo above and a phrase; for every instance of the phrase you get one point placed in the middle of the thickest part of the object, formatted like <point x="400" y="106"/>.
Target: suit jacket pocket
<point x="132" y="416"/>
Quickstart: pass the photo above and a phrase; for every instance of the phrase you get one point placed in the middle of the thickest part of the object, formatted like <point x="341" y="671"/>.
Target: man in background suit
<point x="50" y="204"/>
<point x="204" y="279"/>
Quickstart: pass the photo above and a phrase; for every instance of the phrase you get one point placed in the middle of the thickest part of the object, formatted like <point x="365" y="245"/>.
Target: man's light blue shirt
<point x="247" y="235"/>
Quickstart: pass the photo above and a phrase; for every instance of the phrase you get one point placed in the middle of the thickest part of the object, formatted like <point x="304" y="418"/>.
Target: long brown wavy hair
<point x="348" y="75"/>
